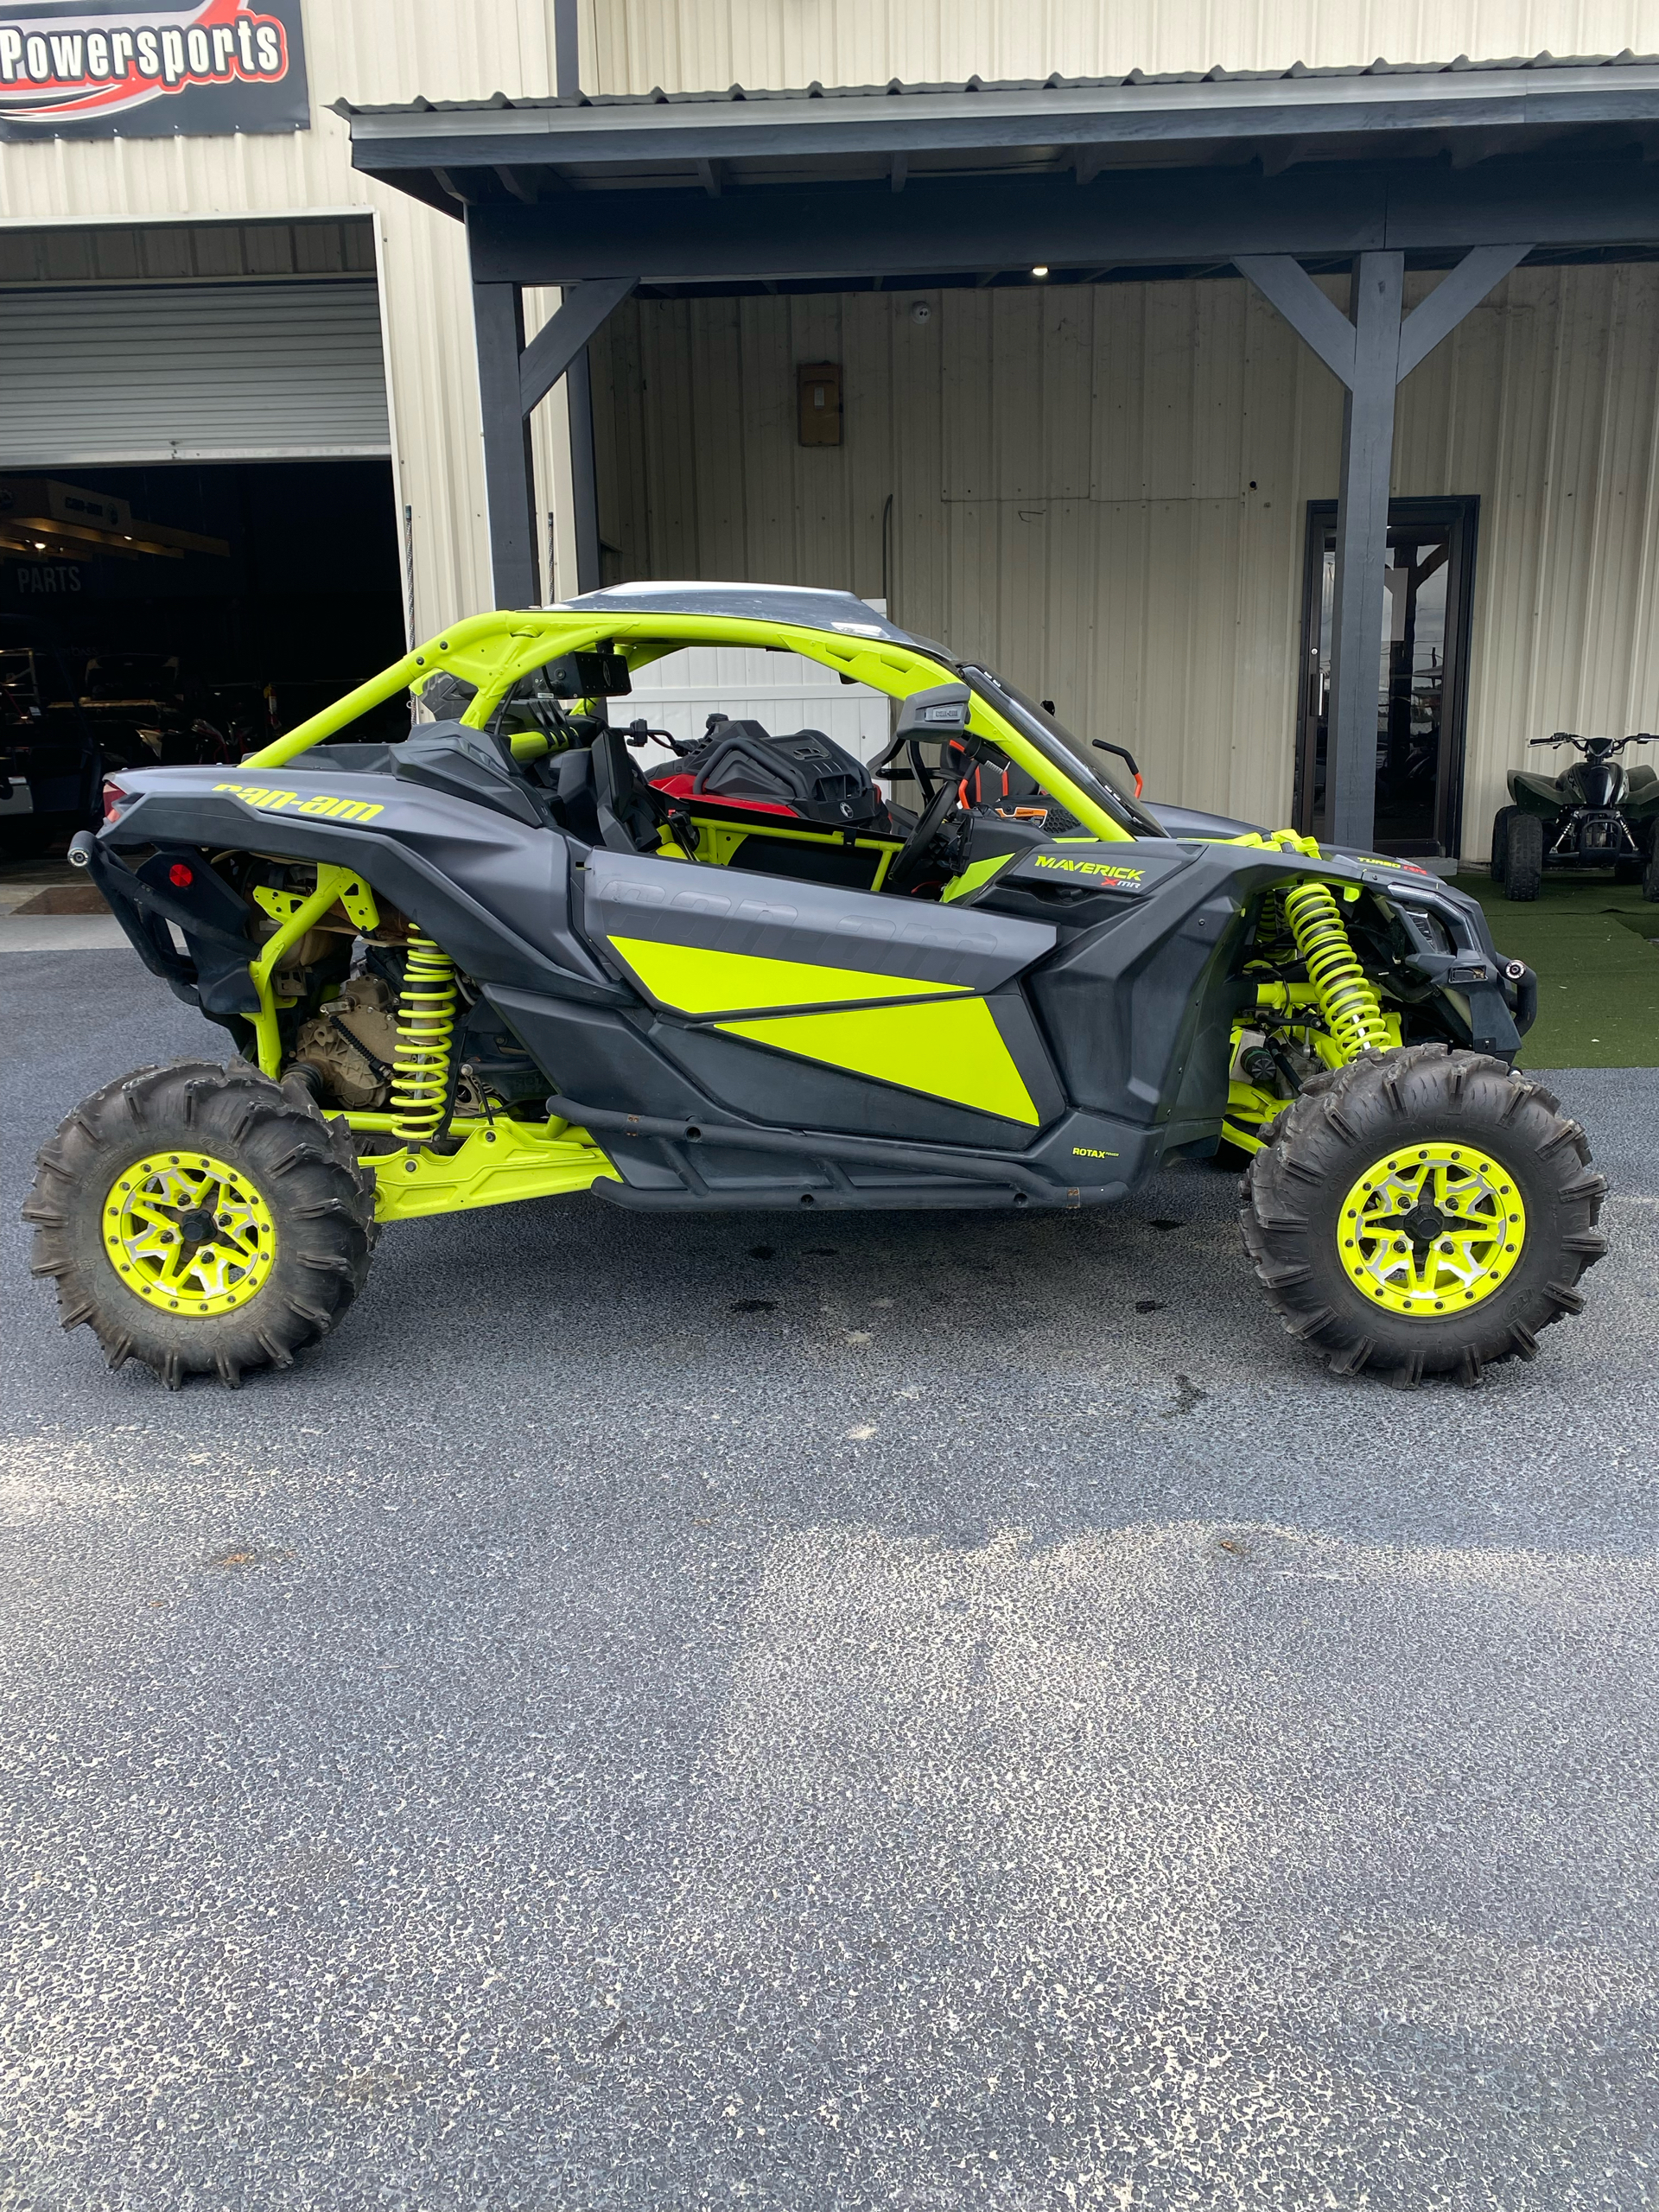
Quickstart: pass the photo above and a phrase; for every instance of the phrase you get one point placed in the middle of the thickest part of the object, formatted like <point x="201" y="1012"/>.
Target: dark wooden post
<point x="1371" y="354"/>
<point x="1361" y="548"/>
<point x="499" y="325"/>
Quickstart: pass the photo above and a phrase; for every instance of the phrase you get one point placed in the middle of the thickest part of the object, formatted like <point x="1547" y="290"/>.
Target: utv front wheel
<point x="1422" y="1212"/>
<point x="202" y="1220"/>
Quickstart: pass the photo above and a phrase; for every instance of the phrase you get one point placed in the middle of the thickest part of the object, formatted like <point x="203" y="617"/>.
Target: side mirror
<point x="941" y="712"/>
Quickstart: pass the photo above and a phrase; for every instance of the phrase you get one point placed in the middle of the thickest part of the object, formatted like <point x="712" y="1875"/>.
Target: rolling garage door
<point x="143" y="373"/>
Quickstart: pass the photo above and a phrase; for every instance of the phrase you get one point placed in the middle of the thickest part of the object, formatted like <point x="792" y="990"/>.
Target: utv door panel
<point x="952" y="1051"/>
<point x="694" y="979"/>
<point x="784" y="1090"/>
<point x="818" y="924"/>
<point x="811" y="1007"/>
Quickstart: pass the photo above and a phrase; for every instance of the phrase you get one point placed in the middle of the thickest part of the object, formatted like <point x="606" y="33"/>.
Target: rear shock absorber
<point x="426" y="1029"/>
<point x="1346" y="998"/>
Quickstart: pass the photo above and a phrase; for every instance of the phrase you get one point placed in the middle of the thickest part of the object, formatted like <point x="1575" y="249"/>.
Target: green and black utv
<point x="496" y="961"/>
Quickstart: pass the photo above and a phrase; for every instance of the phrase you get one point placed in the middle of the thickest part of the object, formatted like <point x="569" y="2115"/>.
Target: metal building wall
<point x="1104" y="489"/>
<point x="363" y="50"/>
<point x="687" y="44"/>
<point x="366" y="50"/>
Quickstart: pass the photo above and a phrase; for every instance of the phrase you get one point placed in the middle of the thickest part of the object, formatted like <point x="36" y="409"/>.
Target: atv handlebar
<point x="1606" y="744"/>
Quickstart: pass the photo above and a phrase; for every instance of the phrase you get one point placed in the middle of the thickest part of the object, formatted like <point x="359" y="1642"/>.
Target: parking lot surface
<point x="873" y="1711"/>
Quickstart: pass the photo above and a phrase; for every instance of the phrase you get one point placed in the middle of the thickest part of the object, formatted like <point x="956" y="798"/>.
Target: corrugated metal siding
<point x="1104" y="489"/>
<point x="1179" y="585"/>
<point x="365" y="51"/>
<point x="191" y="372"/>
<point x="784" y="691"/>
<point x="704" y="45"/>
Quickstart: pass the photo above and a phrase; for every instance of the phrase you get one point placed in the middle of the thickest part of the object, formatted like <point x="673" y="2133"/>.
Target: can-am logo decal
<point x="198" y="67"/>
<point x="336" y="808"/>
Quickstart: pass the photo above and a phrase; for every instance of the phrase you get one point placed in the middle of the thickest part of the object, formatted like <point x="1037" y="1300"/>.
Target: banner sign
<point x="106" y="68"/>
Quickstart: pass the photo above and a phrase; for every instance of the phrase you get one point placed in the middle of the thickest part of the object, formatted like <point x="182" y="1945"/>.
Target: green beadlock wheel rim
<point x="1431" y="1229"/>
<point x="189" y="1234"/>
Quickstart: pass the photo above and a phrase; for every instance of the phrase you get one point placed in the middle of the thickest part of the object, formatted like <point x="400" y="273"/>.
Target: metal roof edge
<point x="1299" y="73"/>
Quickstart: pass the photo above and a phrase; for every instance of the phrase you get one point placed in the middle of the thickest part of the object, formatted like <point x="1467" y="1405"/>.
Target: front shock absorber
<point x="426" y="1029"/>
<point x="1346" y="998"/>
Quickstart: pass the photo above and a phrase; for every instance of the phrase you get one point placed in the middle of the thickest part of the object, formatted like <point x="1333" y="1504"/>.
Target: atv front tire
<point x="1523" y="855"/>
<point x="1422" y="1212"/>
<point x="204" y="1220"/>
<point x="1500" y="822"/>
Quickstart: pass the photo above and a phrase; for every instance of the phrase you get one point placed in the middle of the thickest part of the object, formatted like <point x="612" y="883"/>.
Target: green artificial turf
<point x="1591" y="941"/>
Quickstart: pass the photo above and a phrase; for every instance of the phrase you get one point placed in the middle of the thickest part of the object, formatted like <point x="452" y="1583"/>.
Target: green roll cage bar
<point x="495" y="651"/>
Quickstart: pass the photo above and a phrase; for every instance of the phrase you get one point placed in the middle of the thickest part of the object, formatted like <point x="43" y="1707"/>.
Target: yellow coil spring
<point x="1346" y="999"/>
<point x="426" y="1028"/>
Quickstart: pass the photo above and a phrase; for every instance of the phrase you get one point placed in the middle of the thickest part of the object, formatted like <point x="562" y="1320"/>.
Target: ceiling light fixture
<point x="1041" y="269"/>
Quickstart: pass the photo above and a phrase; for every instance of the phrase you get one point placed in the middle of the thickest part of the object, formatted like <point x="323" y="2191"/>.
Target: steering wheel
<point x="912" y="854"/>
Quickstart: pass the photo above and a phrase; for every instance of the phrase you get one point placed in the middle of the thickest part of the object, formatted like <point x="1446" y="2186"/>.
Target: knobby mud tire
<point x="1500" y="859"/>
<point x="1523" y="857"/>
<point x="1294" y="1187"/>
<point x="304" y="1168"/>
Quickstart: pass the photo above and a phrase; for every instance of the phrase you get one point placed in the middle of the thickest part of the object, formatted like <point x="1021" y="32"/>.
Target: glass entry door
<point x="1422" y="674"/>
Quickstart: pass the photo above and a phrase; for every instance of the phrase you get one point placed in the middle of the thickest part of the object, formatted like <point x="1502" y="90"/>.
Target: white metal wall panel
<point x="368" y="51"/>
<point x="708" y="44"/>
<point x="142" y="372"/>
<point x="1104" y="489"/>
<point x="365" y="51"/>
<point x="783" y="691"/>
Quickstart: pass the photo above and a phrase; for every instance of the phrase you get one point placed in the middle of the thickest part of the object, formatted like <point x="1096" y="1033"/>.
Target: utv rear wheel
<point x="202" y="1220"/>
<point x="1651" y="872"/>
<point x="1523" y="855"/>
<point x="1423" y="1212"/>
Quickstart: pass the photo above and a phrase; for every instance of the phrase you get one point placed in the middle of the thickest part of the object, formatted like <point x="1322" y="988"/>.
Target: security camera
<point x="919" y="311"/>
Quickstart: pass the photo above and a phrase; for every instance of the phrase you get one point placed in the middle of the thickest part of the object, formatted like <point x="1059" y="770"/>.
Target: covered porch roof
<point x="856" y="185"/>
<point x="1472" y="167"/>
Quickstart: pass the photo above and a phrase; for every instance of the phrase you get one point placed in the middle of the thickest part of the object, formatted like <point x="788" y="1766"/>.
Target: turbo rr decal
<point x="279" y="802"/>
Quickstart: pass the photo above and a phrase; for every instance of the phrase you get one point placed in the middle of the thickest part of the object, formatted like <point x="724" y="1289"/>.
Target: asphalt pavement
<point x="893" y="1711"/>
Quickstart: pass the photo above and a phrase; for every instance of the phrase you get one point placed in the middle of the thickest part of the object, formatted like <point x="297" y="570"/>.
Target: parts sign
<point x="77" y="68"/>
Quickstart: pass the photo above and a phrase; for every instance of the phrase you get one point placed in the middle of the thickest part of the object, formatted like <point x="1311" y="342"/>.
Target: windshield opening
<point x="1058" y="746"/>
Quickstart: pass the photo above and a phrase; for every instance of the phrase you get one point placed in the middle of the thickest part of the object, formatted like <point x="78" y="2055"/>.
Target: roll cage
<point x="496" y="653"/>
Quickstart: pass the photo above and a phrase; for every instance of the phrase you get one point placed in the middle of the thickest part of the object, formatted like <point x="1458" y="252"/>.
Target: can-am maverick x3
<point x="495" y="962"/>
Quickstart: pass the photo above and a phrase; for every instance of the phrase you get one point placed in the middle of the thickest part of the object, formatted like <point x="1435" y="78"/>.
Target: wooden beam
<point x="564" y="336"/>
<point x="1457" y="291"/>
<point x="499" y="328"/>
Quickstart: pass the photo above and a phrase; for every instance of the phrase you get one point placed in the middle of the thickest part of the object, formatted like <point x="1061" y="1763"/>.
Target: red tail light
<point x="114" y="800"/>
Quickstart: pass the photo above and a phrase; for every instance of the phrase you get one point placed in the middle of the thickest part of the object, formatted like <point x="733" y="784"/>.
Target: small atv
<point x="494" y="962"/>
<point x="1596" y="814"/>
